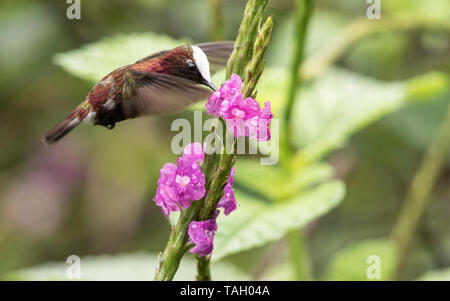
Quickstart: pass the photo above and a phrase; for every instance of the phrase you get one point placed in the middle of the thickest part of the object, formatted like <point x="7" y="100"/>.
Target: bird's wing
<point x="218" y="53"/>
<point x="158" y="94"/>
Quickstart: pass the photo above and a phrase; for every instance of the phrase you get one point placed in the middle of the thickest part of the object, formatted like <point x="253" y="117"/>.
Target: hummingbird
<point x="160" y="84"/>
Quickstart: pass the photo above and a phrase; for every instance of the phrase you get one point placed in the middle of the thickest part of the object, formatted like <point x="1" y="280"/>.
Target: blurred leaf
<point x="426" y="86"/>
<point x="123" y="155"/>
<point x="416" y="124"/>
<point x="325" y="25"/>
<point x="337" y="105"/>
<point x="138" y="266"/>
<point x="352" y="263"/>
<point x="435" y="10"/>
<point x="256" y="223"/>
<point x="22" y="49"/>
<point x="436" y="275"/>
<point x="279" y="272"/>
<point x="341" y="103"/>
<point x="277" y="183"/>
<point x="94" y="61"/>
<point x="387" y="52"/>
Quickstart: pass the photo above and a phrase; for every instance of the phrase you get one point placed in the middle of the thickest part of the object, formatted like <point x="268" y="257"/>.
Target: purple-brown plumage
<point x="162" y="83"/>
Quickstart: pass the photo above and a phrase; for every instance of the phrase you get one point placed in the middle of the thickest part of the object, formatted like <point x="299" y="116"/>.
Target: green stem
<point x="418" y="196"/>
<point x="296" y="241"/>
<point x="246" y="61"/>
<point x="212" y="199"/>
<point x="217" y="20"/>
<point x="217" y="184"/>
<point x="298" y="256"/>
<point x="302" y="17"/>
<point x="248" y="31"/>
<point x="203" y="268"/>
<point x="255" y="67"/>
<point x="176" y="246"/>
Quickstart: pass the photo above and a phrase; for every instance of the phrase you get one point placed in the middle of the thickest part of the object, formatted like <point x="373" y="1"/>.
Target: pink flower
<point x="180" y="184"/>
<point x="189" y="181"/>
<point x="244" y="117"/>
<point x="219" y="101"/>
<point x="166" y="196"/>
<point x="228" y="201"/>
<point x="262" y="125"/>
<point x="202" y="235"/>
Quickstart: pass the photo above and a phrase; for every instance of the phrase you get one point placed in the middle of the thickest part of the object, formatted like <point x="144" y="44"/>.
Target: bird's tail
<point x="64" y="127"/>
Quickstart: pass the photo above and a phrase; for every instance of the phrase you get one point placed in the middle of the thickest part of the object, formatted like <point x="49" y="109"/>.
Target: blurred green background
<point x="366" y="120"/>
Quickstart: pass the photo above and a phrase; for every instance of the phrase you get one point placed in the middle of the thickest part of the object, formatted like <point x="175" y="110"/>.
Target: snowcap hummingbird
<point x="162" y="83"/>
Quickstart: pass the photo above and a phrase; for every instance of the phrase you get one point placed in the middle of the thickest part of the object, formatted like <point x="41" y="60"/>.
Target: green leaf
<point x="277" y="183"/>
<point x="279" y="272"/>
<point x="340" y="103"/>
<point x="256" y="223"/>
<point x="356" y="262"/>
<point x="436" y="275"/>
<point x="94" y="61"/>
<point x="336" y="106"/>
<point x="428" y="86"/>
<point x="324" y="25"/>
<point x="436" y="10"/>
<point x="138" y="266"/>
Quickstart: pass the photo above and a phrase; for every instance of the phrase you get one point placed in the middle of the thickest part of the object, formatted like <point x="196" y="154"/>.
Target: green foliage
<point x="436" y="275"/>
<point x="340" y="103"/>
<point x="427" y="86"/>
<point x="138" y="266"/>
<point x="417" y="123"/>
<point x="93" y="61"/>
<point x="324" y="25"/>
<point x="256" y="223"/>
<point x="352" y="263"/>
<point x="333" y="107"/>
<point x="276" y="183"/>
<point x="279" y="272"/>
<point x="28" y="46"/>
<point x="336" y="106"/>
<point x="435" y="10"/>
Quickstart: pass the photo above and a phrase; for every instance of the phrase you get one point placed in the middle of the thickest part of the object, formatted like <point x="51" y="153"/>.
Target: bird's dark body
<point x="152" y="85"/>
<point x="111" y="87"/>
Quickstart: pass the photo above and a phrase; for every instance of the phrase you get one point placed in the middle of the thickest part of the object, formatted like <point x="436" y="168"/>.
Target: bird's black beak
<point x="211" y="85"/>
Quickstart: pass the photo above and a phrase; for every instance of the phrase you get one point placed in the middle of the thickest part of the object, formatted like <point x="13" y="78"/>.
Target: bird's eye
<point x="191" y="66"/>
